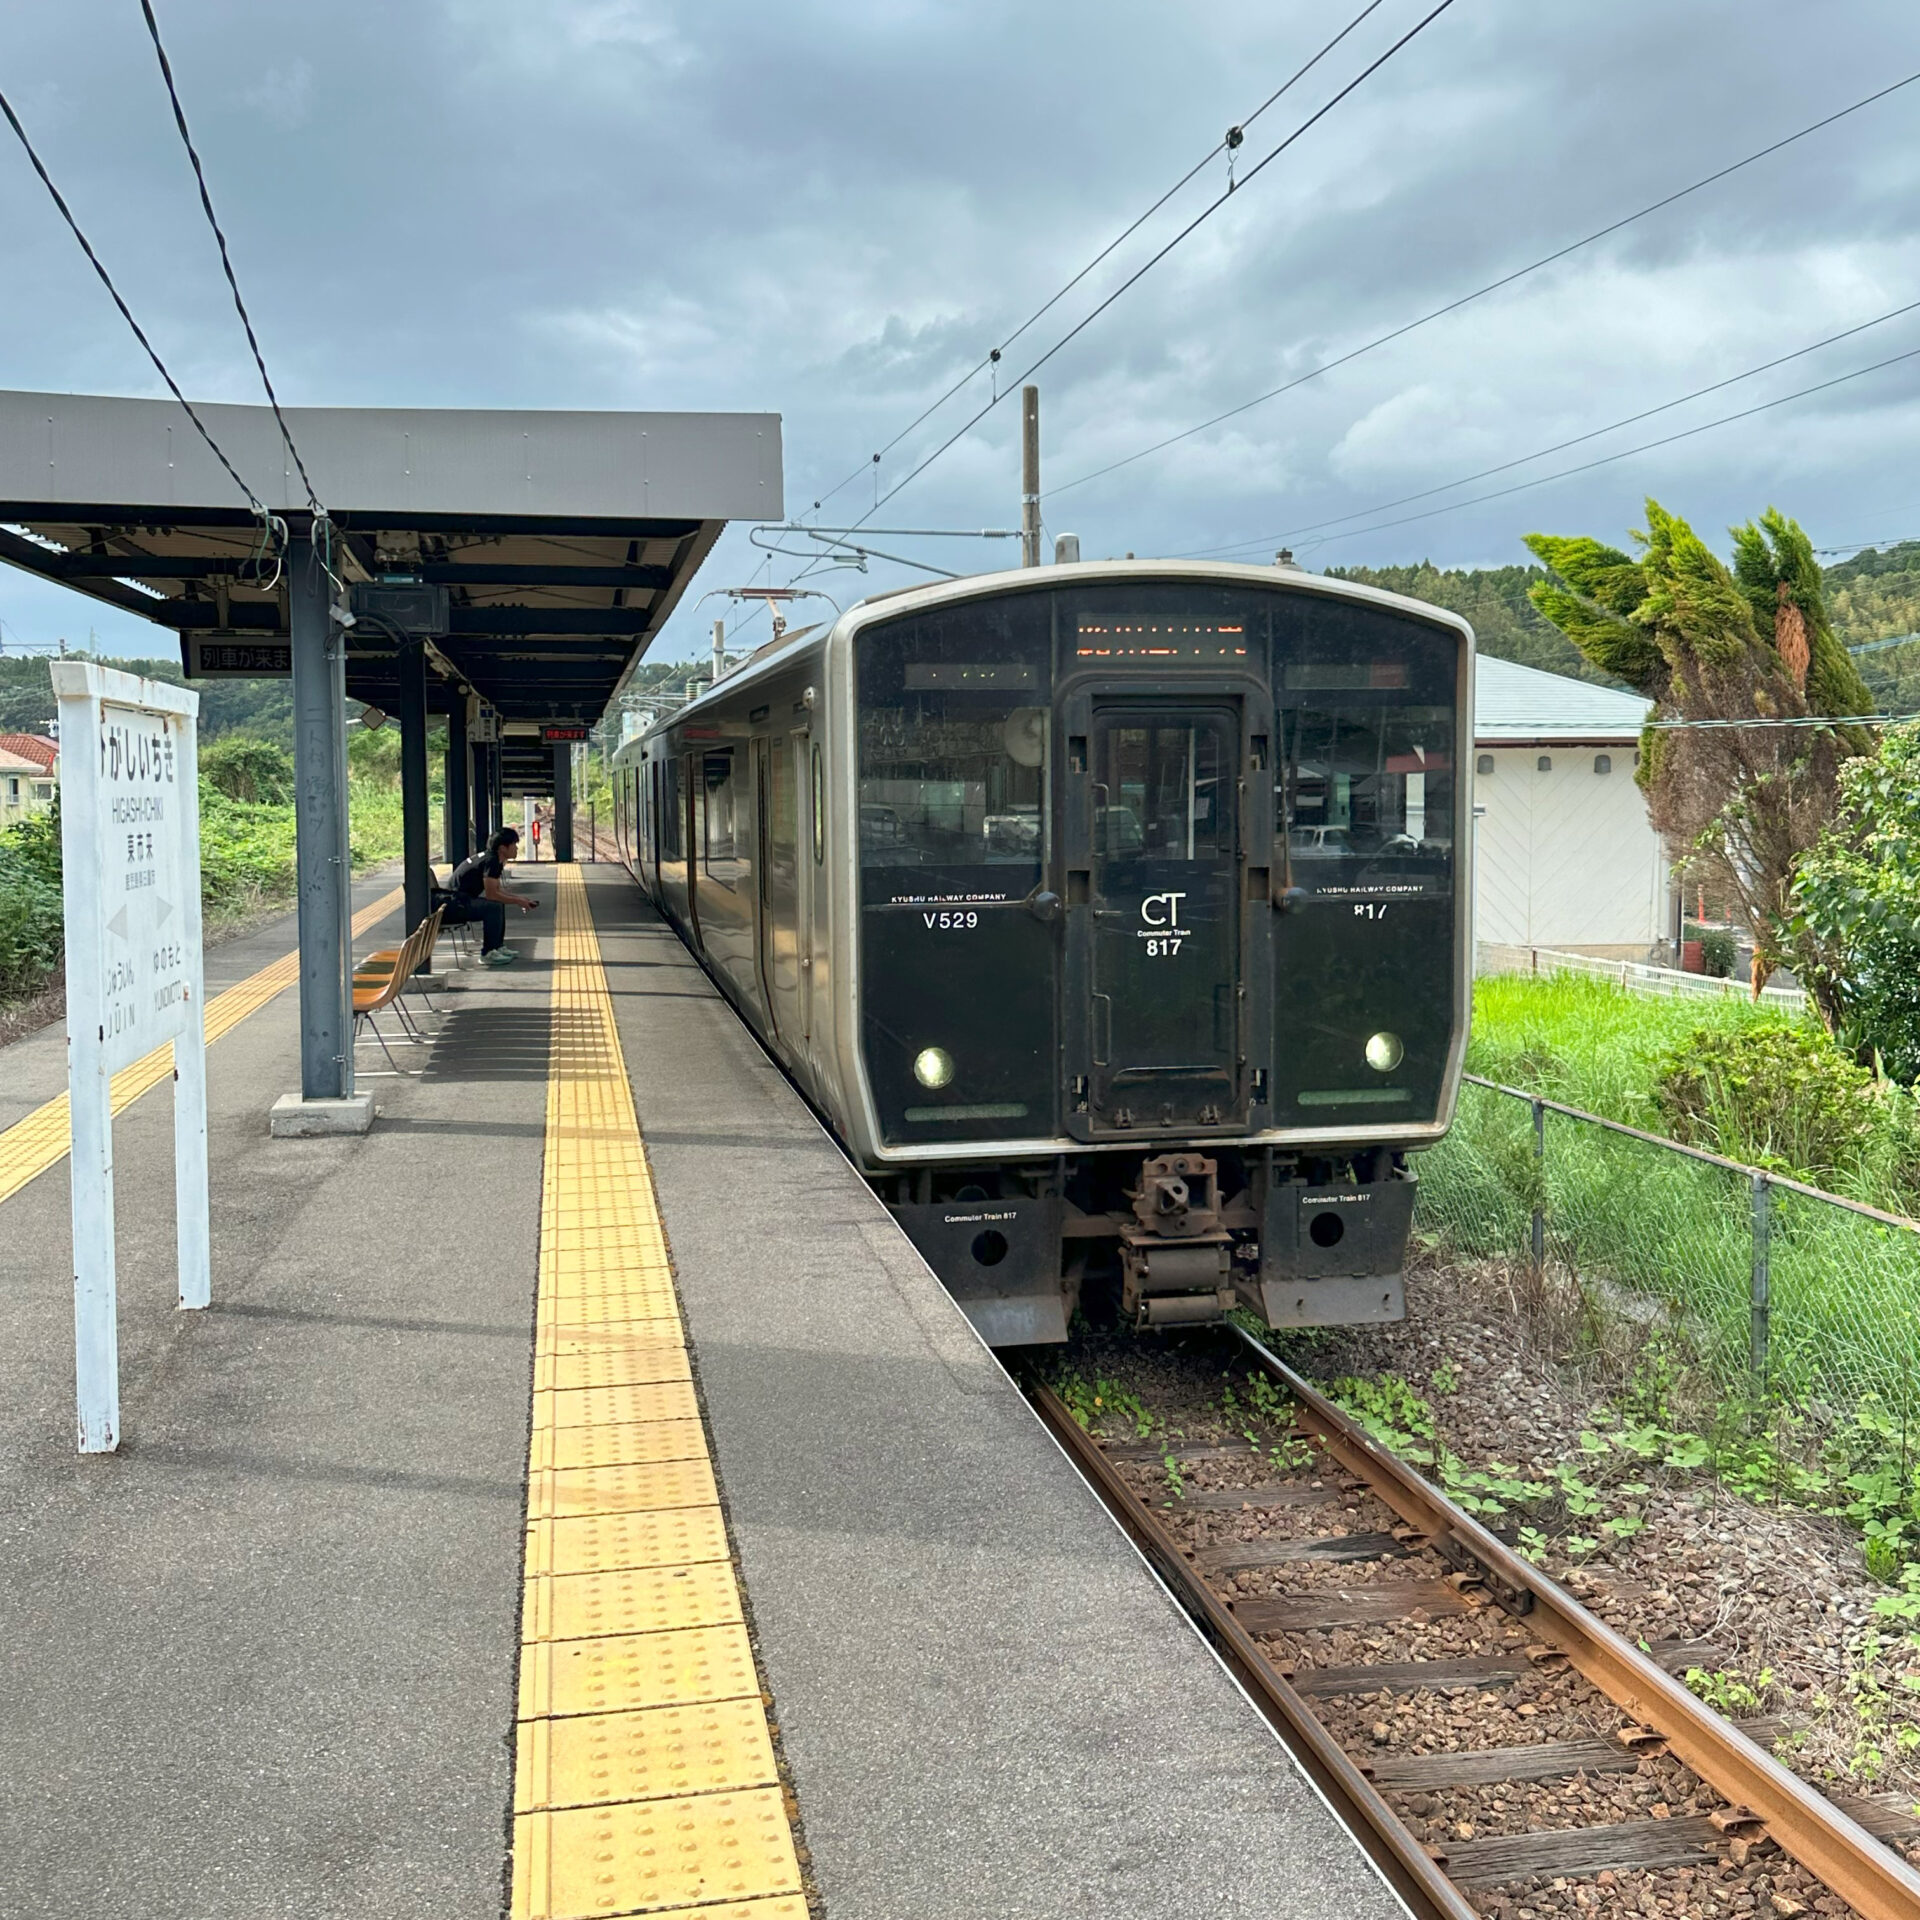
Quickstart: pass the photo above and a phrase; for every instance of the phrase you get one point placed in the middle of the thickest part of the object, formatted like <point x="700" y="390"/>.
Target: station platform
<point x="578" y="1500"/>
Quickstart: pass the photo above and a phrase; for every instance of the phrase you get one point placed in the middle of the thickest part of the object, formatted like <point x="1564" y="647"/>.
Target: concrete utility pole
<point x="719" y="650"/>
<point x="1029" y="476"/>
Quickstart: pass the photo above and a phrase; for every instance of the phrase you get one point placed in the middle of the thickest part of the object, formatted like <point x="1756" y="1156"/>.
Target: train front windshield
<point x="1110" y="748"/>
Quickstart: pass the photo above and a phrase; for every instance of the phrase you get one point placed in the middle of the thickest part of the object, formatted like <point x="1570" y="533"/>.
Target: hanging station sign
<point x="227" y="658"/>
<point x="130" y="853"/>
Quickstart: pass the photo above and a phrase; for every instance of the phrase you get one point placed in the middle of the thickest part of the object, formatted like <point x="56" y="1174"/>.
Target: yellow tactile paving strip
<point x="30" y="1146"/>
<point x="645" y="1781"/>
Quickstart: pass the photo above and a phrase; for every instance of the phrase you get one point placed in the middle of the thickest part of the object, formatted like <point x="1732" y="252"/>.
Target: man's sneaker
<point x="499" y="957"/>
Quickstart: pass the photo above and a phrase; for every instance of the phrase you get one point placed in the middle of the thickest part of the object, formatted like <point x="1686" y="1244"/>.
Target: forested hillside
<point x="1876" y="596"/>
<point x="1495" y="600"/>
<point x="1873" y="596"/>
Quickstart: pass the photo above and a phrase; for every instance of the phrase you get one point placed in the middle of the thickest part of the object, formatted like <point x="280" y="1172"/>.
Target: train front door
<point x="1162" y="921"/>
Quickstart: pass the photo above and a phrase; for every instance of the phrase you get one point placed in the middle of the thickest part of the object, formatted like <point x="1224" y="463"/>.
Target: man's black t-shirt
<point x="470" y="877"/>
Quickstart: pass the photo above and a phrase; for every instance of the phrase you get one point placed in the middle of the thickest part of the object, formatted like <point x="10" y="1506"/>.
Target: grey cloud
<point x="834" y="210"/>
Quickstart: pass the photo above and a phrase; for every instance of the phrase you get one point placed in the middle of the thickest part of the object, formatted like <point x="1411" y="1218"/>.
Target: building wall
<point x="1565" y="856"/>
<point x="24" y="788"/>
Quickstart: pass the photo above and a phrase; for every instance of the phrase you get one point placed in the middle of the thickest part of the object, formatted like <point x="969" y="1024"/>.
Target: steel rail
<point x="1869" y="1876"/>
<point x="1356" y="1802"/>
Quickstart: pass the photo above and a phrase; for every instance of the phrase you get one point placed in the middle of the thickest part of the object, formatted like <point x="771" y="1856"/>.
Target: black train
<point x="1111" y="915"/>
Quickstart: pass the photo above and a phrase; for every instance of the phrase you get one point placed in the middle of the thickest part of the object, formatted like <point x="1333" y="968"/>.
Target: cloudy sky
<point x="833" y="211"/>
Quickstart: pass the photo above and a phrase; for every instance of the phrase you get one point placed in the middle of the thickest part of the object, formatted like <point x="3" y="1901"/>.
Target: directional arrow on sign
<point x="117" y="926"/>
<point x="166" y="911"/>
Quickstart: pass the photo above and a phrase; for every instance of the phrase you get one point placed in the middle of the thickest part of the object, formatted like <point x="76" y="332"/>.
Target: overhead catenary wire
<point x="1627" y="453"/>
<point x="1560" y="446"/>
<point x="226" y="258"/>
<point x="1481" y="293"/>
<point x="1796" y="720"/>
<point x="1224" y="144"/>
<point x="1153" y="260"/>
<point x="126" y="312"/>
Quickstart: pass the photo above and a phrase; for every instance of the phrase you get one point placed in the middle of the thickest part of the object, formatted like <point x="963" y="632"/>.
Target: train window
<point x="1364" y="772"/>
<point x="819" y="808"/>
<point x="954" y="781"/>
<point x="671" y="811"/>
<point x="1164" y="779"/>
<point x="719" y="793"/>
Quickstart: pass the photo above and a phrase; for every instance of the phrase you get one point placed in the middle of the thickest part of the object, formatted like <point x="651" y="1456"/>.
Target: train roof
<point x="904" y="600"/>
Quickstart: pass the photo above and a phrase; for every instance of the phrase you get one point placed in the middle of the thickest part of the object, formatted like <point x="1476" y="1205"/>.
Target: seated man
<point x="477" y="894"/>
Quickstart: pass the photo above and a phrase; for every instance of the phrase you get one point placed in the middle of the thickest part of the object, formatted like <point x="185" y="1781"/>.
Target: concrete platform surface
<point x="260" y="1663"/>
<point x="988" y="1704"/>
<point x="263" y="1661"/>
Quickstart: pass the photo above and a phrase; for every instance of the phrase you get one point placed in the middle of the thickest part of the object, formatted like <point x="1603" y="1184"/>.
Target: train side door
<point x="780" y="888"/>
<point x="800" y="813"/>
<point x="1157" y="915"/>
<point x="690" y="831"/>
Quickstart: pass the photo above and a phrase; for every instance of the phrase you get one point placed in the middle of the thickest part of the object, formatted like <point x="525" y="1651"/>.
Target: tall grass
<point x="246" y="865"/>
<point x="1584" y="1042"/>
<point x="1663" y="1240"/>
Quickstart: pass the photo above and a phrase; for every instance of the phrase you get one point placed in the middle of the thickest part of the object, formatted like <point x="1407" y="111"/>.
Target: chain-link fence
<point x="1780" y="1287"/>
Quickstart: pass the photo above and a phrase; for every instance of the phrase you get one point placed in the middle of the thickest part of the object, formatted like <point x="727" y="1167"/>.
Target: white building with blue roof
<point x="1564" y="853"/>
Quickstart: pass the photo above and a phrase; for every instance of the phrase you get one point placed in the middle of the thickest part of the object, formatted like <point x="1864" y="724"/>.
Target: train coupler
<point x="1176" y="1259"/>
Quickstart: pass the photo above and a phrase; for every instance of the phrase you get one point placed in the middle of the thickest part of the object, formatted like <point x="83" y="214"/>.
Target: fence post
<point x="1539" y="1188"/>
<point x="1757" y="1298"/>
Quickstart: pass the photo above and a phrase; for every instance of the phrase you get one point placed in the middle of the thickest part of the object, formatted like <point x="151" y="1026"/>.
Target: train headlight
<point x="1385" y="1051"/>
<point x="933" y="1066"/>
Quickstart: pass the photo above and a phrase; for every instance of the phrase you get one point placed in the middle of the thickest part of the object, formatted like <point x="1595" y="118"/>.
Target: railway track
<point x="1498" y="1749"/>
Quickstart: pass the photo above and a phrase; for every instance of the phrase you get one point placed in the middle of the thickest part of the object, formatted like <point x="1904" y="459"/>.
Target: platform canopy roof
<point x="563" y="540"/>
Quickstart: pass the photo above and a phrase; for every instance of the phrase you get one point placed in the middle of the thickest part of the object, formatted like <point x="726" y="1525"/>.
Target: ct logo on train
<point x="1162" y="932"/>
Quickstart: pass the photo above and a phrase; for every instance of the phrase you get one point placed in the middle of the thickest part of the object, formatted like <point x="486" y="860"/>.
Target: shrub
<point x="1771" y="1096"/>
<point x="1717" y="950"/>
<point x="31" y="925"/>
<point x="244" y="768"/>
<point x="1857" y="896"/>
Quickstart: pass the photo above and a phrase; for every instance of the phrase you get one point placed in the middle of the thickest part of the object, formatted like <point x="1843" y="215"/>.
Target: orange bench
<point x="380" y="979"/>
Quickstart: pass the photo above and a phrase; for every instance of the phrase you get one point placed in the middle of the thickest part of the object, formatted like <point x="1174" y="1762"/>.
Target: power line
<point x="1480" y="293"/>
<point x="1227" y="143"/>
<point x="226" y="259"/>
<point x="1560" y="446"/>
<point x="1802" y="720"/>
<point x="1205" y="214"/>
<point x="1627" y="453"/>
<point x="126" y="312"/>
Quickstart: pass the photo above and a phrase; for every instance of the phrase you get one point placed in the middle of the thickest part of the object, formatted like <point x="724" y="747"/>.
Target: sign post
<point x="130" y="853"/>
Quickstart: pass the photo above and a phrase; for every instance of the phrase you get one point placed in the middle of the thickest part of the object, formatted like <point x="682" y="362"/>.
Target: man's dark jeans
<point x="491" y="915"/>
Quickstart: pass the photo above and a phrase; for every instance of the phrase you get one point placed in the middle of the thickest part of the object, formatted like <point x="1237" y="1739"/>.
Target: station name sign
<point x="130" y="885"/>
<point x="145" y="993"/>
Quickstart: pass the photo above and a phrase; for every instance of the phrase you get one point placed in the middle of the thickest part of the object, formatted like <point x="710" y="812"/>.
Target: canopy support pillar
<point x="563" y="800"/>
<point x="412" y="666"/>
<point x="326" y="1102"/>
<point x="459" y="808"/>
